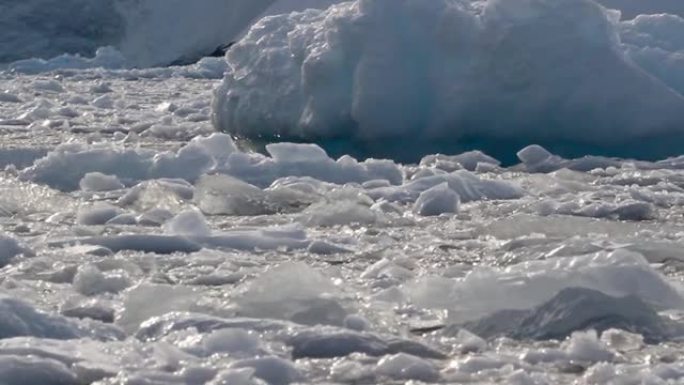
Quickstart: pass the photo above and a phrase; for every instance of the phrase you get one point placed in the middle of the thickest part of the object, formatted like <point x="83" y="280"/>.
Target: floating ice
<point x="435" y="83"/>
<point x="9" y="248"/>
<point x="98" y="214"/>
<point x="406" y="367"/>
<point x="436" y="201"/>
<point x="468" y="186"/>
<point x="529" y="284"/>
<point x="293" y="291"/>
<point x="577" y="309"/>
<point x="89" y="280"/>
<point x="96" y="181"/>
<point x="18" y="318"/>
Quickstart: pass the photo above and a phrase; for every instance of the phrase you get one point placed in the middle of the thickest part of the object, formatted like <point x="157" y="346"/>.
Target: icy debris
<point x="97" y="181"/>
<point x="621" y="340"/>
<point x="48" y="85"/>
<point x="585" y="346"/>
<point x="327" y="342"/>
<point x="293" y="291"/>
<point x="89" y="280"/>
<point x="123" y="220"/>
<point x="8" y="97"/>
<point x="529" y="284"/>
<point x="356" y="322"/>
<point x="231" y="341"/>
<point x="627" y="210"/>
<point x="407" y="367"/>
<point x="468" y="160"/>
<point x="146" y="300"/>
<point x="307" y="160"/>
<point x="235" y="377"/>
<point x="191" y="223"/>
<point x="91" y="308"/>
<point x="577" y="309"/>
<point x="468" y="342"/>
<point x="9" y="248"/>
<point x="150" y="243"/>
<point x="168" y="194"/>
<point x="437" y="200"/>
<point x="225" y="195"/>
<point x="327" y="248"/>
<point x="216" y="153"/>
<point x="273" y="370"/>
<point x="22" y="370"/>
<point x="98" y="214"/>
<point x="18" y="318"/>
<point x="340" y="213"/>
<point x="467" y="185"/>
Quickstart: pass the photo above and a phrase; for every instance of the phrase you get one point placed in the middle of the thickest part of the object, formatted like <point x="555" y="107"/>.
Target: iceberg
<point x="366" y="77"/>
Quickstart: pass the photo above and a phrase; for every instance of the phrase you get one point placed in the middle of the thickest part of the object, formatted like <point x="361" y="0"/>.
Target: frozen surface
<point x="139" y="246"/>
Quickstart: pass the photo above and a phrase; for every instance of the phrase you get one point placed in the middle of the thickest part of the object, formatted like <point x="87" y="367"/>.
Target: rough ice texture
<point x="432" y="73"/>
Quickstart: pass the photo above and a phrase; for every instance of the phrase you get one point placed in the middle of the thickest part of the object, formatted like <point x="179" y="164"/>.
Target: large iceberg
<point x="364" y="77"/>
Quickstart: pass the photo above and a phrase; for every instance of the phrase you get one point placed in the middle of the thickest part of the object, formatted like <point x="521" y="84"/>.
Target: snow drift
<point x="368" y="75"/>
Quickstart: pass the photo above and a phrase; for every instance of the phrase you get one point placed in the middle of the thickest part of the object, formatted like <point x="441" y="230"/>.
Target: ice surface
<point x="305" y="76"/>
<point x="377" y="294"/>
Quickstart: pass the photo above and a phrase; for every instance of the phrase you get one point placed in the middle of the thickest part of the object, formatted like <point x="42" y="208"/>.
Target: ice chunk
<point x="89" y="280"/>
<point x="585" y="346"/>
<point x="468" y="187"/>
<point x="231" y="341"/>
<point x="406" y="367"/>
<point x="529" y="284"/>
<point x="9" y="248"/>
<point x="146" y="300"/>
<point x="225" y="195"/>
<point x="437" y="200"/>
<point x="326" y="343"/>
<point x="18" y="318"/>
<point x="274" y="370"/>
<point x="293" y="291"/>
<point x="577" y="309"/>
<point x="21" y="370"/>
<point x="97" y="181"/>
<point x="97" y="214"/>
<point x="340" y="213"/>
<point x="188" y="223"/>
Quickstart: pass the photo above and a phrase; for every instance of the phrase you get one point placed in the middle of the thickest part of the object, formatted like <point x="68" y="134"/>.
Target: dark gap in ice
<point x="404" y="151"/>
